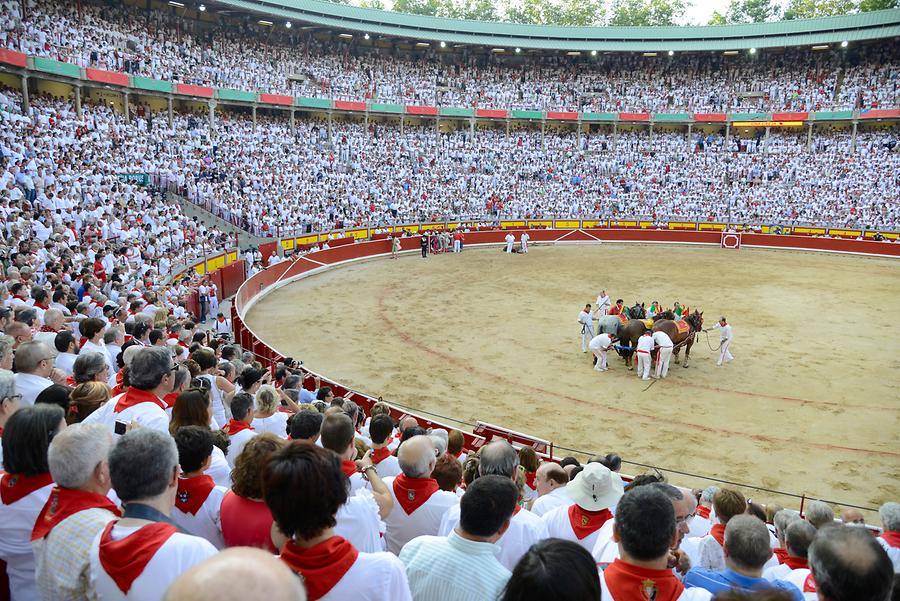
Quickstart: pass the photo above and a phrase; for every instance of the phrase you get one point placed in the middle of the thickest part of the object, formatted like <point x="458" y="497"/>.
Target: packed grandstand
<point x="115" y="119"/>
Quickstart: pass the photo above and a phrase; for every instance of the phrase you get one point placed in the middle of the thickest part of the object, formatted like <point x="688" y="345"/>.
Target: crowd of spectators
<point x="241" y="54"/>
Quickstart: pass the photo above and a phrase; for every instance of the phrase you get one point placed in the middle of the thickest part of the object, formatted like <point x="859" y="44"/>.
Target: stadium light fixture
<point x="288" y="24"/>
<point x="178" y="4"/>
<point x="671" y="53"/>
<point x="844" y="44"/>
<point x="266" y="23"/>
<point x="821" y="47"/>
<point x="366" y="37"/>
<point x="593" y="53"/>
<point x="649" y="54"/>
<point x="202" y="8"/>
<point x="423" y="44"/>
<point x="753" y="51"/>
<point x="347" y="36"/>
<point x="730" y="52"/>
<point x="573" y="53"/>
<point x="518" y="50"/>
<point x="443" y="44"/>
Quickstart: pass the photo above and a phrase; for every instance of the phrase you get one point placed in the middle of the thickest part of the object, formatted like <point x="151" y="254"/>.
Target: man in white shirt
<point x="380" y="429"/>
<point x="525" y="529"/>
<point x="510" y="240"/>
<point x="643" y="350"/>
<point x="199" y="501"/>
<point x="703" y="521"/>
<point x="138" y="557"/>
<point x="848" y="563"/>
<point x="338" y="435"/>
<point x="463" y="565"/>
<point x="890" y="535"/>
<point x="594" y="490"/>
<point x="34" y="366"/>
<point x="550" y="481"/>
<point x="238" y="427"/>
<point x="419" y="504"/>
<point x="523" y="239"/>
<point x="152" y="378"/>
<point x="587" y="327"/>
<point x="599" y="345"/>
<point x="662" y="340"/>
<point x="795" y="567"/>
<point x="603" y="304"/>
<point x="725" y="337"/>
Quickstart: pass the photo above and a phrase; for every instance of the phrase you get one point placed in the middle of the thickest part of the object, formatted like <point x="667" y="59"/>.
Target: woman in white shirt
<point x="268" y="417"/>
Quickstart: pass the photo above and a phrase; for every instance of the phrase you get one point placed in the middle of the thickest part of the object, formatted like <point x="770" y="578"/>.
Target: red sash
<point x="124" y="560"/>
<point x="349" y="468"/>
<point x="529" y="480"/>
<point x="795" y="563"/>
<point x="233" y="427"/>
<point x="718" y="532"/>
<point x="193" y="492"/>
<point x="781" y="554"/>
<point x="65" y="502"/>
<point x="703" y="512"/>
<point x="411" y="493"/>
<point x="584" y="522"/>
<point x="322" y="566"/>
<point x="626" y="582"/>
<point x="892" y="538"/>
<point x="379" y="455"/>
<point x="134" y="396"/>
<point x="14" y="487"/>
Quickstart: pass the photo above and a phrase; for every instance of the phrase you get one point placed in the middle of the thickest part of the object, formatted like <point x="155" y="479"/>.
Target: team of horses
<point x="629" y="331"/>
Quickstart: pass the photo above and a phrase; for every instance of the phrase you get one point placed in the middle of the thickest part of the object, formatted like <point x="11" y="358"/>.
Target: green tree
<point x="867" y="5"/>
<point x="752" y="11"/>
<point x="418" y="7"/>
<point x="809" y="9"/>
<point x="645" y="13"/>
<point x="474" y="10"/>
<point x="372" y="4"/>
<point x="581" y="13"/>
<point x="717" y="18"/>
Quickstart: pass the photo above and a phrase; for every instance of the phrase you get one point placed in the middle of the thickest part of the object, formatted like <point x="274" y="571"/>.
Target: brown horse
<point x="629" y="333"/>
<point x="695" y="324"/>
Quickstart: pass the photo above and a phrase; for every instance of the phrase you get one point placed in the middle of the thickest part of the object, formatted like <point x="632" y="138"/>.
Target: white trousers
<point x="662" y="362"/>
<point x="586" y="335"/>
<point x="601" y="360"/>
<point x="724" y="355"/>
<point x="456" y="246"/>
<point x="643" y="368"/>
<point x="509" y="246"/>
<point x="524" y="246"/>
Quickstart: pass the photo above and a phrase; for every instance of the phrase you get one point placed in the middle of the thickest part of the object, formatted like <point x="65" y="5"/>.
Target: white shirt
<point x="555" y="498"/>
<point x="605" y="550"/>
<point x="149" y="415"/>
<point x="206" y="523"/>
<point x="30" y="386"/>
<point x="275" y="423"/>
<point x="600" y="342"/>
<point x="425" y="520"/>
<point x="603" y="301"/>
<point x="389" y="466"/>
<point x="219" y="469"/>
<point x="358" y="522"/>
<point x="525" y="529"/>
<point x="177" y="555"/>
<point x="585" y="318"/>
<point x="66" y="362"/>
<point x="688" y="594"/>
<point x="558" y="525"/>
<point x="16" y="523"/>
<point x="90" y="347"/>
<point x="372" y="577"/>
<point x="893" y="553"/>
<point x="802" y="579"/>
<point x="645" y="343"/>
<point x="453" y="568"/>
<point x="710" y="554"/>
<point x="238" y="441"/>
<point x="725" y="334"/>
<point x="662" y="339"/>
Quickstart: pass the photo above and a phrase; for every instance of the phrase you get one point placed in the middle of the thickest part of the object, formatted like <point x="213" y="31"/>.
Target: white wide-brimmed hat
<point x="596" y="487"/>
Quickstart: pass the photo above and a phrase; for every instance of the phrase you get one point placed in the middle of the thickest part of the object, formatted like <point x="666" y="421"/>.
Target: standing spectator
<point x="304" y="488"/>
<point x="77" y="510"/>
<point x="554" y="570"/>
<point x="848" y="564"/>
<point x="139" y="556"/>
<point x="25" y="487"/>
<point x="463" y="565"/>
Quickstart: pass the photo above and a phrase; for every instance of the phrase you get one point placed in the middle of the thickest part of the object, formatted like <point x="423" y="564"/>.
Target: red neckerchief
<point x="65" y="502"/>
<point x="411" y="493"/>
<point x="529" y="480"/>
<point x="892" y="538"/>
<point x="795" y="563"/>
<point x="703" y="512"/>
<point x="193" y="492"/>
<point x="220" y="319"/>
<point x="379" y="455"/>
<point x="120" y="376"/>
<point x="517" y="509"/>
<point x="584" y="522"/>
<point x="124" y="560"/>
<point x="170" y="399"/>
<point x="116" y="390"/>
<point x="348" y="467"/>
<point x="47" y="328"/>
<point x="781" y="554"/>
<point x="718" y="532"/>
<point x="14" y="487"/>
<point x="809" y="585"/>
<point x="233" y="427"/>
<point x="134" y="396"/>
<point x="627" y="581"/>
<point x="322" y="566"/>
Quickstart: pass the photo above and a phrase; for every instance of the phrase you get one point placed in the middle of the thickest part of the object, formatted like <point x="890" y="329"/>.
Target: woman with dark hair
<point x="554" y="570"/>
<point x="193" y="407"/>
<point x="304" y="487"/>
<point x="55" y="394"/>
<point x="246" y="520"/>
<point x="24" y="489"/>
<point x="251" y="379"/>
<point x="528" y="460"/>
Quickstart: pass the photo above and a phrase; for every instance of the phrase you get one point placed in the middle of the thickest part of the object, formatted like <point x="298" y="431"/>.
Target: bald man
<point x="419" y="504"/>
<point x="550" y="481"/>
<point x="405" y="424"/>
<point x="235" y="575"/>
<point x="853" y="516"/>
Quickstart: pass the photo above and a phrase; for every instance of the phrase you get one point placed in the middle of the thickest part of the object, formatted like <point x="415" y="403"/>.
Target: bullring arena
<point x="483" y="335"/>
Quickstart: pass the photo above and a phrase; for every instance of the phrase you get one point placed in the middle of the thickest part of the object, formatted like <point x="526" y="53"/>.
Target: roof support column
<point x="543" y="126"/>
<point x="578" y="135"/>
<point x="401" y="124"/>
<point x="651" y="131"/>
<point x="330" y="132"/>
<point x="689" y="132"/>
<point x="171" y="113"/>
<point x="25" y="103"/>
<point x="809" y="137"/>
<point x="77" y="91"/>
<point x="615" y="136"/>
<point x="472" y="130"/>
<point x="853" y="138"/>
<point x="254" y="120"/>
<point x="437" y="136"/>
<point x="727" y="136"/>
<point x="212" y="118"/>
<point x="294" y="123"/>
<point x="766" y="141"/>
<point x="126" y="106"/>
<point x="507" y="129"/>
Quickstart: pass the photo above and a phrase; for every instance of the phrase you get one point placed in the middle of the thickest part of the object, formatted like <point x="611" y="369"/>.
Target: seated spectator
<point x="703" y="521"/>
<point x="795" y="567"/>
<point x="550" y="483"/>
<point x="25" y="486"/>
<point x="66" y="351"/>
<point x="890" y="535"/>
<point x="645" y="530"/>
<point x="848" y="564"/>
<point x="9" y="400"/>
<point x="198" y="502"/>
<point x="463" y="565"/>
<point x="852" y="516"/>
<point x="151" y="377"/>
<point x="77" y="510"/>
<point x="85" y="399"/>
<point x="381" y="428"/>
<point x="747" y="549"/>
<point x="141" y="554"/>
<point x="55" y="394"/>
<point x="783" y="519"/>
<point x="194" y="408"/>
<point x="447" y="473"/>
<point x="246" y="520"/>
<point x="727" y="503"/>
<point x="499" y="458"/>
<point x="238" y="427"/>
<point x="90" y="367"/>
<point x="528" y="460"/>
<point x="819" y="514"/>
<point x="455" y="443"/>
<point x="236" y="575"/>
<point x="593" y="491"/>
<point x="554" y="570"/>
<point x="338" y="435"/>
<point x="306" y="426"/>
<point x="34" y="365"/>
<point x="419" y="504"/>
<point x="304" y="488"/>
<point x="267" y="417"/>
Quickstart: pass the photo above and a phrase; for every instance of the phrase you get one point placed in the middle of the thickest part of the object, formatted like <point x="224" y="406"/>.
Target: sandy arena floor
<point x="809" y="405"/>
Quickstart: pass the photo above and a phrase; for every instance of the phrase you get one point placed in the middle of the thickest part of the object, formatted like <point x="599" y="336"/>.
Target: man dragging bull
<point x="599" y="345"/>
<point x="587" y="327"/>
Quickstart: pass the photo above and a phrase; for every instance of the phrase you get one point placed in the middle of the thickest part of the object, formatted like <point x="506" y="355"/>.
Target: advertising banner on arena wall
<point x="141" y="179"/>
